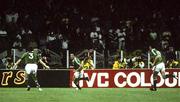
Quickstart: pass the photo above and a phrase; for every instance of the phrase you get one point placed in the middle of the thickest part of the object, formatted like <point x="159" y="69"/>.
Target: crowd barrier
<point x="100" y="78"/>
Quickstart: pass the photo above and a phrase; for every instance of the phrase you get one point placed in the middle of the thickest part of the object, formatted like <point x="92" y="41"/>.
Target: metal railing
<point x="98" y="57"/>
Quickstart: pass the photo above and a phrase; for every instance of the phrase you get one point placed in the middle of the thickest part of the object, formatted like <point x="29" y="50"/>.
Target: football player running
<point x="79" y="73"/>
<point x="31" y="59"/>
<point x="158" y="66"/>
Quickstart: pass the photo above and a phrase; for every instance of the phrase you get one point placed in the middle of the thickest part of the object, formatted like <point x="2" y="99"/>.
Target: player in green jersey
<point x="79" y="73"/>
<point x="31" y="59"/>
<point x="158" y="66"/>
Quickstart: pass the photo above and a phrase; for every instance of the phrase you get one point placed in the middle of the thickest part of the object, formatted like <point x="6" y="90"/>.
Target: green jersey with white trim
<point x="76" y="63"/>
<point x="30" y="57"/>
<point x="156" y="53"/>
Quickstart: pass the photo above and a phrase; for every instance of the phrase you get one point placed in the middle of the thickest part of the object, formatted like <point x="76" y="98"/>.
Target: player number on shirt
<point x="31" y="56"/>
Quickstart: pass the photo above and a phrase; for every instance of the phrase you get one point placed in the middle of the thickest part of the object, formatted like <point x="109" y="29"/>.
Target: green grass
<point x="89" y="95"/>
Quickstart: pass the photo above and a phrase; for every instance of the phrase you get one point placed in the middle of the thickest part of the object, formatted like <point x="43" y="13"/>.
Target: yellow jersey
<point x="88" y="65"/>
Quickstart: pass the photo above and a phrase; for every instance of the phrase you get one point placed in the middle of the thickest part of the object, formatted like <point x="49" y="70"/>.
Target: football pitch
<point x="89" y="95"/>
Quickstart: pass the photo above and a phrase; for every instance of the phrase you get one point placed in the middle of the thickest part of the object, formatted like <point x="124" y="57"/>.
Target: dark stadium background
<point x="75" y="19"/>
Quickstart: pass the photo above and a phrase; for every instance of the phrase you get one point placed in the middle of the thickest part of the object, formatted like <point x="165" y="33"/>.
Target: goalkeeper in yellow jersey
<point x="87" y="63"/>
<point x="119" y="64"/>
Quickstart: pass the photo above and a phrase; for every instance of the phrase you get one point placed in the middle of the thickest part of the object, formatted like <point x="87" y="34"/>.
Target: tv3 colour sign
<point x="98" y="78"/>
<point x="126" y="78"/>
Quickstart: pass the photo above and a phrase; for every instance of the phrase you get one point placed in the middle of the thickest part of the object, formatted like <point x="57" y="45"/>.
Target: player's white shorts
<point x="31" y="68"/>
<point x="79" y="74"/>
<point x="159" y="67"/>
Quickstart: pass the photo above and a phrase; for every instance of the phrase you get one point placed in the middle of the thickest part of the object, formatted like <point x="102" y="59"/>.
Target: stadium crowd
<point x="108" y="25"/>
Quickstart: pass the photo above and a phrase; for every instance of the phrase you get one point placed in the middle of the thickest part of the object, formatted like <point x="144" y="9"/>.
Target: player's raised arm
<point x="16" y="64"/>
<point x="80" y="67"/>
<point x="91" y="64"/>
<point x="44" y="64"/>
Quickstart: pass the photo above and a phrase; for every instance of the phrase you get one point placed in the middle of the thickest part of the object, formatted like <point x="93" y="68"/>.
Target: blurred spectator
<point x="11" y="16"/>
<point x="166" y="37"/>
<point x="42" y="42"/>
<point x="138" y="62"/>
<point x="64" y="44"/>
<point x="26" y="35"/>
<point x="3" y="32"/>
<point x="17" y="44"/>
<point x="46" y="56"/>
<point x="121" y="39"/>
<point x="64" y="50"/>
<point x="101" y="44"/>
<point x="95" y="38"/>
<point x="153" y="37"/>
<point x="26" y="31"/>
<point x="75" y="22"/>
<point x="3" y="38"/>
<point x="9" y="63"/>
<point x="111" y="41"/>
<point x="170" y="57"/>
<point x="51" y="38"/>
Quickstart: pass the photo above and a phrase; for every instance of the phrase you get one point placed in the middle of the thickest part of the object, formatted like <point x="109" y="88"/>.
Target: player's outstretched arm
<point x="92" y="65"/>
<point x="16" y="64"/>
<point x="80" y="67"/>
<point x="44" y="64"/>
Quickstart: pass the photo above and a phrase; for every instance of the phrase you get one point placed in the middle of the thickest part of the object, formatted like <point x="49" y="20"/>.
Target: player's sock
<point x="78" y="86"/>
<point x="174" y="76"/>
<point x="86" y="78"/>
<point x="154" y="85"/>
<point x="28" y="88"/>
<point x="151" y="88"/>
<point x="37" y="84"/>
<point x="76" y="83"/>
<point x="76" y="80"/>
<point x="28" y="84"/>
<point x="169" y="75"/>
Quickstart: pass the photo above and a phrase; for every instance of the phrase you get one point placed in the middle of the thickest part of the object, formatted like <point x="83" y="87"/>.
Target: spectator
<point x="51" y="38"/>
<point x="118" y="64"/>
<point x="9" y="63"/>
<point x="153" y="37"/>
<point x="170" y="56"/>
<point x="17" y="44"/>
<point x="121" y="39"/>
<point x="94" y="37"/>
<point x="46" y="57"/>
<point x="26" y="35"/>
<point x="10" y="15"/>
<point x="3" y="32"/>
<point x="64" y="50"/>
